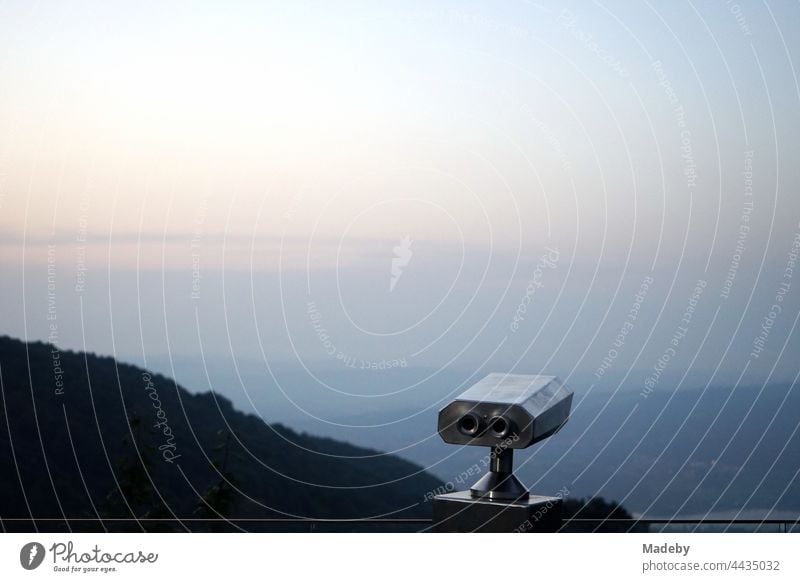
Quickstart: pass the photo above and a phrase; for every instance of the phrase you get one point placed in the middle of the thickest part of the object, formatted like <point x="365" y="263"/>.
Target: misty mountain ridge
<point x="680" y="453"/>
<point x="87" y="436"/>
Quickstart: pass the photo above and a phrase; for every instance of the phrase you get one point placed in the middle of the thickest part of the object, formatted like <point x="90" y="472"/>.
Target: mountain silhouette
<point x="83" y="436"/>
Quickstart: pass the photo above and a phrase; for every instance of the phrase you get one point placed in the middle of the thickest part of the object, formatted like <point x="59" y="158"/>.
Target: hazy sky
<point x="238" y="178"/>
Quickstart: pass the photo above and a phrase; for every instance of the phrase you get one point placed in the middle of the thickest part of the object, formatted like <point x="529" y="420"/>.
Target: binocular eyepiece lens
<point x="500" y="427"/>
<point x="473" y="425"/>
<point x="470" y="424"/>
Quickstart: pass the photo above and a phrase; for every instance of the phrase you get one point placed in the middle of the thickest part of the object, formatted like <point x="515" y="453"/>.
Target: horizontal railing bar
<point x="224" y="520"/>
<point x="399" y="520"/>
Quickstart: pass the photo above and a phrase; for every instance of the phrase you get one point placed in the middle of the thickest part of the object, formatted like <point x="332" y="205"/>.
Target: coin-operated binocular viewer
<point x="503" y="412"/>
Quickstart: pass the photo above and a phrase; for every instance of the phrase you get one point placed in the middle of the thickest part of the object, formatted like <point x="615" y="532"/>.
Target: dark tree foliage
<point x="218" y="501"/>
<point x="120" y="444"/>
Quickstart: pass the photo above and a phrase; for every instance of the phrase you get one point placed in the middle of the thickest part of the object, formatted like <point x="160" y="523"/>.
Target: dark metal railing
<point x="384" y="524"/>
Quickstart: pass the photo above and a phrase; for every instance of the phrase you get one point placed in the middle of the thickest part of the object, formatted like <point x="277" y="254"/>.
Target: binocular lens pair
<point x="473" y="425"/>
<point x="512" y="410"/>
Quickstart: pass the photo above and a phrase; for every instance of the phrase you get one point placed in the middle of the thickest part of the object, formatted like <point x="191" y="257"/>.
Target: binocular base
<point x="461" y="512"/>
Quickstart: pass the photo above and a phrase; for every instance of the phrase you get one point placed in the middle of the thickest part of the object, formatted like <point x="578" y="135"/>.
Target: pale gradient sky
<point x="298" y="143"/>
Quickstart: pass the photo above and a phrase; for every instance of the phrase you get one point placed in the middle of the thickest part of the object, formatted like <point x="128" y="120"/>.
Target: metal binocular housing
<point x="503" y="412"/>
<point x="507" y="410"/>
